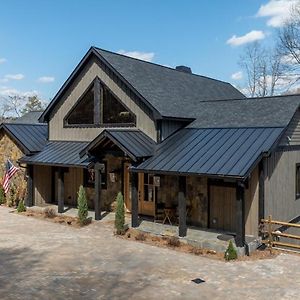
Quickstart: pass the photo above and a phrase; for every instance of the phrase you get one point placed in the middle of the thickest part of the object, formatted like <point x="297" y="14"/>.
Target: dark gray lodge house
<point x="168" y="138"/>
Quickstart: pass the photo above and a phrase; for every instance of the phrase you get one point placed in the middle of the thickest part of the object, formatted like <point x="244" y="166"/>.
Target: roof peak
<point x="158" y="65"/>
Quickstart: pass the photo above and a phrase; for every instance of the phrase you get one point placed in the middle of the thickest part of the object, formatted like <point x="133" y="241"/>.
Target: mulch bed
<point x="60" y="219"/>
<point x="175" y="244"/>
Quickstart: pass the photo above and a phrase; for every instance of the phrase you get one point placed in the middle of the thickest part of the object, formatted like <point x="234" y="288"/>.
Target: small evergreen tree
<point x="82" y="206"/>
<point x="120" y="215"/>
<point x="21" y="207"/>
<point x="230" y="253"/>
<point x="2" y="195"/>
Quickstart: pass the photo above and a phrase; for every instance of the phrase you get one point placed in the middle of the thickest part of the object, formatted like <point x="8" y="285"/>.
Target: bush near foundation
<point x="120" y="215"/>
<point x="82" y="206"/>
<point x="21" y="207"/>
<point x="2" y="195"/>
<point x="230" y="253"/>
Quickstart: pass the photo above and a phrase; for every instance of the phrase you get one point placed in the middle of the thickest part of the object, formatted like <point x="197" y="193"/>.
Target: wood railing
<point x="272" y="234"/>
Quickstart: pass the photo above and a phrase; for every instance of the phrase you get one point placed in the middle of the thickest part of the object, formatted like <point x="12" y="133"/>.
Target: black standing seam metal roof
<point x="32" y="117"/>
<point x="213" y="151"/>
<point x="133" y="142"/>
<point x="60" y="154"/>
<point x="30" y="138"/>
<point x="164" y="90"/>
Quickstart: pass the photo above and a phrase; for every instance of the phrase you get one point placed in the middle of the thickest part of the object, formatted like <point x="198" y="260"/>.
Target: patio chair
<point x="159" y="212"/>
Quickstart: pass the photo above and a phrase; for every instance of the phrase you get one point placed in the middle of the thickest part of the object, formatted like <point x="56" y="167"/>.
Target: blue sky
<point x="41" y="41"/>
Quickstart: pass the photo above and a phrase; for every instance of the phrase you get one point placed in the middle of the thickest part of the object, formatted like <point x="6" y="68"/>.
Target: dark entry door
<point x="222" y="208"/>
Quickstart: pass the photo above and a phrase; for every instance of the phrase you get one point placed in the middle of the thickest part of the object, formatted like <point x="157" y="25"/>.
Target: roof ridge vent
<point x="184" y="69"/>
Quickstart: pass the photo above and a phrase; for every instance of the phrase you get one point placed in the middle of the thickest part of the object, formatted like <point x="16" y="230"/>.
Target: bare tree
<point x="263" y="68"/>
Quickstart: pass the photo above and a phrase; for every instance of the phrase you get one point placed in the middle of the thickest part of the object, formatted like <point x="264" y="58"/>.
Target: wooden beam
<point x="97" y="100"/>
<point x="97" y="200"/>
<point x="134" y="200"/>
<point x="29" y="198"/>
<point x="240" y="215"/>
<point x="182" y="206"/>
<point x="61" y="190"/>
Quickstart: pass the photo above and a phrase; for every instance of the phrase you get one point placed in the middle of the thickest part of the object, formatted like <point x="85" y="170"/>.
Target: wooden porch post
<point x="61" y="190"/>
<point x="182" y="206"/>
<point x="29" y="197"/>
<point x="240" y="215"/>
<point x="98" y="180"/>
<point x="134" y="200"/>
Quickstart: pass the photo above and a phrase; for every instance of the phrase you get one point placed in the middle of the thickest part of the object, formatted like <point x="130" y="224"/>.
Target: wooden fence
<point x="273" y="234"/>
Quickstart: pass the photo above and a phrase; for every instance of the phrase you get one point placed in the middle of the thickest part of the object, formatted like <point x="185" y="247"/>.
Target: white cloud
<point x="18" y="76"/>
<point x="277" y="11"/>
<point x="2" y="60"/>
<point x="7" y="91"/>
<point x="46" y="79"/>
<point x="249" y="37"/>
<point x="147" y="56"/>
<point x="237" y="76"/>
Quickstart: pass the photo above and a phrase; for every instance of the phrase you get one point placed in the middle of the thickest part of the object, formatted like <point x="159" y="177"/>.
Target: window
<point x="297" y="181"/>
<point x="114" y="112"/>
<point x="150" y="190"/>
<point x="109" y="111"/>
<point x="83" y="113"/>
<point x="89" y="178"/>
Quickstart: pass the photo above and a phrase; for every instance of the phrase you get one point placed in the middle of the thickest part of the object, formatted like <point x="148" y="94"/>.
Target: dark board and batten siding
<point x="168" y="127"/>
<point x="291" y="137"/>
<point x="280" y="185"/>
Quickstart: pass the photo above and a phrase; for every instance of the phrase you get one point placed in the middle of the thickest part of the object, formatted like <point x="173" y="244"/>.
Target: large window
<point x="297" y="181"/>
<point x="99" y="107"/>
<point x="83" y="112"/>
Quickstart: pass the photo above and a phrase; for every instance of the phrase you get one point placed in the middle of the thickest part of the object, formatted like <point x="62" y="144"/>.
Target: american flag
<point x="10" y="171"/>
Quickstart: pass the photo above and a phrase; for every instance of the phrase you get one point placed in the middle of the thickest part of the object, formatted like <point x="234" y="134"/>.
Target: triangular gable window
<point x="83" y="112"/>
<point x="99" y="107"/>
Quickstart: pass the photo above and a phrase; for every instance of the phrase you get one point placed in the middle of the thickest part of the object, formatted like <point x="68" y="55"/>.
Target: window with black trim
<point x="83" y="113"/>
<point x="297" y="181"/>
<point x="99" y="107"/>
<point x="89" y="177"/>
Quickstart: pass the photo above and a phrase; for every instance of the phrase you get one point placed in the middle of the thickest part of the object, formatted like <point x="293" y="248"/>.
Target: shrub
<point x="120" y="215"/>
<point x="11" y="200"/>
<point x="140" y="237"/>
<point x="21" y="207"/>
<point x="50" y="212"/>
<point x="174" y="241"/>
<point x="230" y="253"/>
<point x="82" y="206"/>
<point x="2" y="195"/>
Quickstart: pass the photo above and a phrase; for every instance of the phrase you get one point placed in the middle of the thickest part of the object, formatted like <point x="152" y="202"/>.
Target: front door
<point x="147" y="192"/>
<point x="222" y="208"/>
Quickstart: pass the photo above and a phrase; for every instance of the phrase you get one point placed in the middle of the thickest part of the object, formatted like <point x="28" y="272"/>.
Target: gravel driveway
<point x="43" y="260"/>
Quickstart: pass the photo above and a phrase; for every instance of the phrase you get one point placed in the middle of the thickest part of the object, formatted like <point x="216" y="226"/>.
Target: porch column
<point x="29" y="197"/>
<point x="97" y="200"/>
<point x="134" y="200"/>
<point x="182" y="206"/>
<point x="240" y="214"/>
<point x="61" y="190"/>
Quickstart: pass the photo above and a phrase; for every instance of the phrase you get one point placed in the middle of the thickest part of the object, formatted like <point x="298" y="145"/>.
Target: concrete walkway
<point x="44" y="260"/>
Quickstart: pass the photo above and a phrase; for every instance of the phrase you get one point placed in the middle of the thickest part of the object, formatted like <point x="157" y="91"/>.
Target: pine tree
<point x="120" y="215"/>
<point x="21" y="207"/>
<point x="230" y="252"/>
<point x="82" y="206"/>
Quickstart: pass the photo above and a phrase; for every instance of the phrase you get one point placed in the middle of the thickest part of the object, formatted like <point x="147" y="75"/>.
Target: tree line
<point x="274" y="70"/>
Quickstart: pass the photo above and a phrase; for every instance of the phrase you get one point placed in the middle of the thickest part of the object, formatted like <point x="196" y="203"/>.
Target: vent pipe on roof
<point x="184" y="69"/>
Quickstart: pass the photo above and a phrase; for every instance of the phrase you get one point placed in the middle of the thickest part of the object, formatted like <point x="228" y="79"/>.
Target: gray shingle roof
<point x="59" y="154"/>
<point x="215" y="152"/>
<point x="252" y="112"/>
<point x="133" y="142"/>
<point x="30" y="137"/>
<point x="171" y="92"/>
<point x="31" y="117"/>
